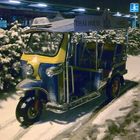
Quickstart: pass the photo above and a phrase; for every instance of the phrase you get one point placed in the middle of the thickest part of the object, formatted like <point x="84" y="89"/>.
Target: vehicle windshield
<point x="44" y="43"/>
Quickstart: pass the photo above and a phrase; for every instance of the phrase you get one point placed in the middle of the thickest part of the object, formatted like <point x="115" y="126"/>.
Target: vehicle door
<point x="82" y="69"/>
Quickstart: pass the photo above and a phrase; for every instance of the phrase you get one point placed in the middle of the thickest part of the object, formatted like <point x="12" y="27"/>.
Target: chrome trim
<point x="67" y="81"/>
<point x="64" y="85"/>
<point x="102" y="84"/>
<point x="34" y="88"/>
<point x="23" y="82"/>
<point x="64" y="107"/>
<point x="72" y="76"/>
<point x="86" y="101"/>
<point x="67" y="72"/>
<point x="96" y="52"/>
<point x="110" y="73"/>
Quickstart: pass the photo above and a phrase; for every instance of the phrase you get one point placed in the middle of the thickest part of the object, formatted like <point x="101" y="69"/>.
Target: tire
<point x="28" y="110"/>
<point x="113" y="88"/>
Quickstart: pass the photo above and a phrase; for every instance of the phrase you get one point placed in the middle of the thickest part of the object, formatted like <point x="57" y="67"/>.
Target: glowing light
<point x="108" y="9"/>
<point x="118" y="14"/>
<point x="98" y="8"/>
<point x="135" y="16"/>
<point x="127" y="16"/>
<point x="80" y="10"/>
<point x="14" y="1"/>
<point x="42" y="5"/>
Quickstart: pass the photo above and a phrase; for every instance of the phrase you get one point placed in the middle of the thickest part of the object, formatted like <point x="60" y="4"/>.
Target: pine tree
<point x="11" y="44"/>
<point x="134" y="41"/>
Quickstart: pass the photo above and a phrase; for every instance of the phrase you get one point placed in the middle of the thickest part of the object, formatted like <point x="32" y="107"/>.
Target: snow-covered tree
<point x="11" y="45"/>
<point x="134" y="41"/>
<point x="110" y="37"/>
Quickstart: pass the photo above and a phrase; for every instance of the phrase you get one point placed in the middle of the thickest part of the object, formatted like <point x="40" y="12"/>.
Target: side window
<point x="88" y="55"/>
<point x="84" y="54"/>
<point x="76" y="41"/>
<point x="77" y="50"/>
<point x="119" y="53"/>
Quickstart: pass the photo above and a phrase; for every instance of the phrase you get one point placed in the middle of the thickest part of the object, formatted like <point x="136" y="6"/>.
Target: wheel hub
<point x="115" y="87"/>
<point x="32" y="112"/>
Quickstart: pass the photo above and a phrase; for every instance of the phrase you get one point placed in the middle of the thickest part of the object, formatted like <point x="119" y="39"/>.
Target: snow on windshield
<point x="44" y="43"/>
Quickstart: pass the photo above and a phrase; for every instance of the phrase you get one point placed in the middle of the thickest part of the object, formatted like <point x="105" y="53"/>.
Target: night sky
<point x="114" y="5"/>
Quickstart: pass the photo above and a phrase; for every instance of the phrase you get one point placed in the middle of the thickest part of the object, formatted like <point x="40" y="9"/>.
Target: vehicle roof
<point x="77" y="24"/>
<point x="65" y="25"/>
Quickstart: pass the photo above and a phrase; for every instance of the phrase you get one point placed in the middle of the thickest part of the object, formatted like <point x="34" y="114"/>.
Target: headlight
<point x="49" y="71"/>
<point x="29" y="70"/>
<point x="54" y="70"/>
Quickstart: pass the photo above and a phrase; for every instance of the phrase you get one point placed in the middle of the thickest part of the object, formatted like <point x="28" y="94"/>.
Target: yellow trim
<point x="36" y="60"/>
<point x="59" y="58"/>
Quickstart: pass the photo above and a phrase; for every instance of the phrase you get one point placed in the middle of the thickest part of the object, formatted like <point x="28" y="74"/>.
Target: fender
<point x="32" y="88"/>
<point x="117" y="74"/>
<point x="28" y="84"/>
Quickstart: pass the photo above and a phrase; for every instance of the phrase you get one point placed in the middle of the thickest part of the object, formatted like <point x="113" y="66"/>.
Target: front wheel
<point x="28" y="110"/>
<point x="113" y="88"/>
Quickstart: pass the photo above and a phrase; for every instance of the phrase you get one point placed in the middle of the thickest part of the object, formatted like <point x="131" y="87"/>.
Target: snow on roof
<point x="83" y="23"/>
<point x="41" y="21"/>
<point x="66" y="25"/>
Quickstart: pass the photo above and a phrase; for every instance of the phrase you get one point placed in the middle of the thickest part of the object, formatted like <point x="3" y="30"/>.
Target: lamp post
<point x="135" y="20"/>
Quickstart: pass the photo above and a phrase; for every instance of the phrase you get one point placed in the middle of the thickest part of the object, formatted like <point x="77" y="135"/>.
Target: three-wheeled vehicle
<point x="60" y="74"/>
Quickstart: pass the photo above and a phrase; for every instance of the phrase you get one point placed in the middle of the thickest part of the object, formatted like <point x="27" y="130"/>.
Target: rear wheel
<point x="28" y="110"/>
<point x="113" y="88"/>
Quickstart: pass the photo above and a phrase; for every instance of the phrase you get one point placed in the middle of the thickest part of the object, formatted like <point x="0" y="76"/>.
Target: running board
<point x="84" y="100"/>
<point x="57" y="108"/>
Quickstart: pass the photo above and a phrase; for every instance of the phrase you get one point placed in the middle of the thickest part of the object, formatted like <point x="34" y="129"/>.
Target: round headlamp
<point x="54" y="70"/>
<point x="29" y="70"/>
<point x="50" y="71"/>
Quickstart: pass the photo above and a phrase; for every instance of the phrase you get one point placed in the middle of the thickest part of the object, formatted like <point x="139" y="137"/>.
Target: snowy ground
<point x="133" y="66"/>
<point x="52" y="124"/>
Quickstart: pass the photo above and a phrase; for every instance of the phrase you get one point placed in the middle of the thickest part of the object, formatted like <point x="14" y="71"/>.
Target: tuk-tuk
<point x="60" y="74"/>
